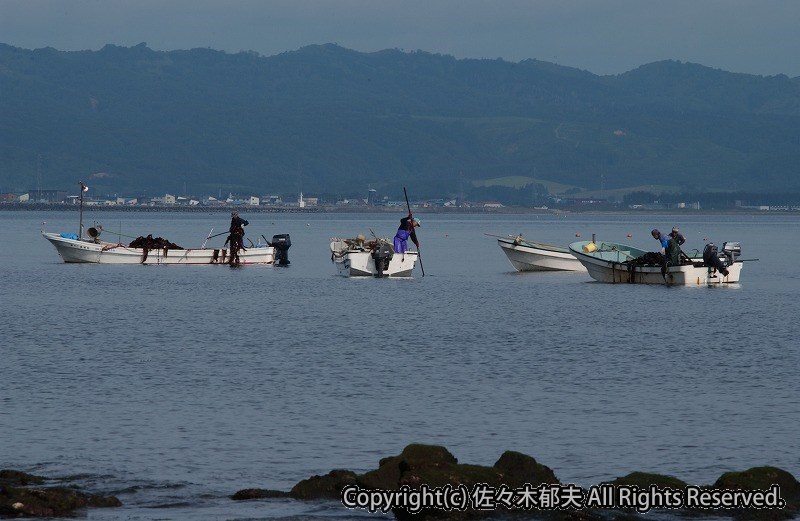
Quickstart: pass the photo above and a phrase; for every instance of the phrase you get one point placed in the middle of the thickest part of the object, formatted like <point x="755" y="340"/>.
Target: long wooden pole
<point x="419" y="252"/>
<point x="80" y="215"/>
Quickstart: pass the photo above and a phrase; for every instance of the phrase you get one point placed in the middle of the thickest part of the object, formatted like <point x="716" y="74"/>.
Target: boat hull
<point x="609" y="266"/>
<point x="89" y="252"/>
<point x="527" y="256"/>
<point x="361" y="264"/>
<point x="354" y="259"/>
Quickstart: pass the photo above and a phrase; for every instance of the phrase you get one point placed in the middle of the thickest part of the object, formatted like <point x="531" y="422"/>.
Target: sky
<point x="601" y="36"/>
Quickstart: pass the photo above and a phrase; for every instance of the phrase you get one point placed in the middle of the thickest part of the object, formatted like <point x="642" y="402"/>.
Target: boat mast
<point x="80" y="218"/>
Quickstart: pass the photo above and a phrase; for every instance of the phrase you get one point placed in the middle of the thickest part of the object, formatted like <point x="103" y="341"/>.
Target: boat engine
<point x="711" y="258"/>
<point x="281" y="243"/>
<point x="732" y="250"/>
<point x="382" y="255"/>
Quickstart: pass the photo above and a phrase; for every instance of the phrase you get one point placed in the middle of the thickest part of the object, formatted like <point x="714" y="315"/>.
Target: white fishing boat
<point x="76" y="248"/>
<point x="527" y="255"/>
<point x="73" y="249"/>
<point x="376" y="258"/>
<point x="617" y="263"/>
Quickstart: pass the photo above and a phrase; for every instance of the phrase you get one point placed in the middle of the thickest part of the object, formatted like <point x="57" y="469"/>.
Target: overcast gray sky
<point x="601" y="36"/>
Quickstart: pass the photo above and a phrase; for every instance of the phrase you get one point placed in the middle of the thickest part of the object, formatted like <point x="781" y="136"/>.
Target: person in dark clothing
<point x="675" y="234"/>
<point x="237" y="229"/>
<point x="236" y="236"/>
<point x="671" y="245"/>
<point x="404" y="232"/>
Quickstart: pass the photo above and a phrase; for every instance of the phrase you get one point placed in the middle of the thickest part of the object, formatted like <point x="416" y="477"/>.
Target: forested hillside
<point x="325" y="119"/>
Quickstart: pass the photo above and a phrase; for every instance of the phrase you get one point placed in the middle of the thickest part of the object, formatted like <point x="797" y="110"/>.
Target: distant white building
<point x="300" y="202"/>
<point x="167" y="199"/>
<point x="253" y="201"/>
<point x="272" y="199"/>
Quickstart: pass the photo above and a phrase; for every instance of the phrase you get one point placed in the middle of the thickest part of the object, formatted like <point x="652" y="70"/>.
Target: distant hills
<point x="328" y="120"/>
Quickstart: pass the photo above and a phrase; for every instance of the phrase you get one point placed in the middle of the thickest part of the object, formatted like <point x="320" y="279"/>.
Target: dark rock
<point x="390" y="471"/>
<point x="17" y="478"/>
<point x="258" y="493"/>
<point x="324" y="487"/>
<point x="21" y="495"/>
<point x="644" y="480"/>
<point x="517" y="469"/>
<point x="435" y="466"/>
<point x="97" y="501"/>
<point x="48" y="502"/>
<point x="762" y="478"/>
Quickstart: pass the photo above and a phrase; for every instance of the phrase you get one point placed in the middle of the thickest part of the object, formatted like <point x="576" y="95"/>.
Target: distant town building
<point x="47" y="196"/>
<point x="167" y="199"/>
<point x="372" y="197"/>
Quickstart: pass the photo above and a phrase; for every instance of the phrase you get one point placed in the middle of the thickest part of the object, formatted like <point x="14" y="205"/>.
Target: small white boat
<point x="92" y="250"/>
<point x="376" y="258"/>
<point x="527" y="255"/>
<point x="75" y="248"/>
<point x="618" y="263"/>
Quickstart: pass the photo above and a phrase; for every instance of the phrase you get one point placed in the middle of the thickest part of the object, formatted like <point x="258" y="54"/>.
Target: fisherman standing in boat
<point x="676" y="234"/>
<point x="406" y="230"/>
<point x="236" y="237"/>
<point x="237" y="229"/>
<point x="671" y="245"/>
<point x="661" y="238"/>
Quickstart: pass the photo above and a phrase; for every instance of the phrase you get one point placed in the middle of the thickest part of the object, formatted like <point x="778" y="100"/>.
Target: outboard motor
<point x="732" y="250"/>
<point x="711" y="258"/>
<point x="382" y="255"/>
<point x="281" y="243"/>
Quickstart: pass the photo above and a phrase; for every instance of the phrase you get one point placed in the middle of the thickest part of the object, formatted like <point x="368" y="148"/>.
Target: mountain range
<point x="328" y="120"/>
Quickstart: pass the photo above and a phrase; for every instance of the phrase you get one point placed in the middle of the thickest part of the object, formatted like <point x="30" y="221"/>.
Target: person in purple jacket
<point x="404" y="232"/>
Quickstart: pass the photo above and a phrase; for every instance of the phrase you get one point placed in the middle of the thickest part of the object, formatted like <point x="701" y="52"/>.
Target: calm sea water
<point x="173" y="387"/>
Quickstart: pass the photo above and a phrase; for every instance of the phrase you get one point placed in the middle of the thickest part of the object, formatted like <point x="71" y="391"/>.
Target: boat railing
<point x="612" y="253"/>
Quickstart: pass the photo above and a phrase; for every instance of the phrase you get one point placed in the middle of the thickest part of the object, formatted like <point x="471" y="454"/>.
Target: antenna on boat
<point x="80" y="218"/>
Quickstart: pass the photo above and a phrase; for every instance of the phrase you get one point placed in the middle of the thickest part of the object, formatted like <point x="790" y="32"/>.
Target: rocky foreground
<point x="27" y="495"/>
<point x="517" y="485"/>
<point x="426" y="482"/>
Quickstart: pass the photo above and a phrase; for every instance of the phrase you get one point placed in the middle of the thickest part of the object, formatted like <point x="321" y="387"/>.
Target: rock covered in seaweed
<point x="24" y="495"/>
<point x="435" y="467"/>
<point x="324" y="487"/>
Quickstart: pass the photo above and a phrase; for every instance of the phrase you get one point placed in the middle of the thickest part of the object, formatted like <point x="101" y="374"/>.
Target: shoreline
<point x="509" y="210"/>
